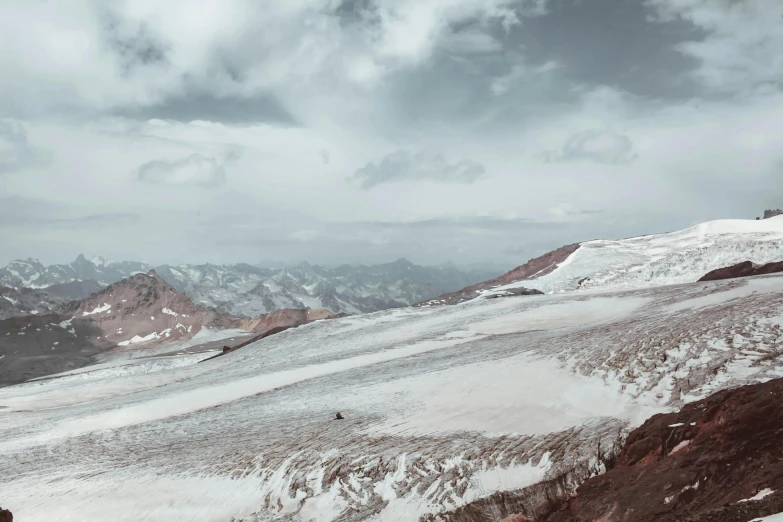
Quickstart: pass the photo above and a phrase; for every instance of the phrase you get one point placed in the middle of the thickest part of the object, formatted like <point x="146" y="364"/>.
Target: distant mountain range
<point x="246" y="290"/>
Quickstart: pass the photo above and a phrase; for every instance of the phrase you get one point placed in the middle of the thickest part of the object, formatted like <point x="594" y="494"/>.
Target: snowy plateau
<point x="491" y="401"/>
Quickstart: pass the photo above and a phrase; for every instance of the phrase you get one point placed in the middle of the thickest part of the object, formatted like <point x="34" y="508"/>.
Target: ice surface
<point x="442" y="406"/>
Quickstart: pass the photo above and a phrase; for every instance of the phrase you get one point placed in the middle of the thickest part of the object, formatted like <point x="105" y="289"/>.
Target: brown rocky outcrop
<point x="535" y="268"/>
<point x="717" y="459"/>
<point x="285" y="317"/>
<point x="744" y="269"/>
<point x="517" y="518"/>
<point x="6" y="515"/>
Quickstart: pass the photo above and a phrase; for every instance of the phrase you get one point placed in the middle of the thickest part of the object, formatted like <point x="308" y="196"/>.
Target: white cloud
<point x="15" y="151"/>
<point x="404" y="165"/>
<point x="601" y="146"/>
<point x="193" y="170"/>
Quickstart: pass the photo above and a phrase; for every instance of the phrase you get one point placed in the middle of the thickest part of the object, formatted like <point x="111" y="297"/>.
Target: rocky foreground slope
<point x="473" y="412"/>
<point x="719" y="459"/>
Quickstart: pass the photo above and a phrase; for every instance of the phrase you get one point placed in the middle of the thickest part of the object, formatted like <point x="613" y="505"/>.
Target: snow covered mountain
<point x="138" y="314"/>
<point x="676" y="257"/>
<point x="468" y="412"/>
<point x="31" y="273"/>
<point x="246" y="290"/>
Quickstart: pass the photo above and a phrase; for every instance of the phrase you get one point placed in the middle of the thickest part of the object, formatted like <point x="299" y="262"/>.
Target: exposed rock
<point x="772" y="213"/>
<point x="338" y="416"/>
<point x="533" y="269"/>
<point x="744" y="269"/>
<point x="517" y="518"/>
<point x="285" y="317"/>
<point x="6" y="515"/>
<point x="74" y="290"/>
<point x="513" y="292"/>
<point x="717" y="459"/>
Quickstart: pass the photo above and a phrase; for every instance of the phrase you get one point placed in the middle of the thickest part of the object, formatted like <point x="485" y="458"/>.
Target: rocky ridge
<point x="533" y="269"/>
<point x="26" y="301"/>
<point x="744" y="269"/>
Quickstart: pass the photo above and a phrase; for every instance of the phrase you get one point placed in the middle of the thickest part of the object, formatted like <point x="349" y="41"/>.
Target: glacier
<point x="443" y="407"/>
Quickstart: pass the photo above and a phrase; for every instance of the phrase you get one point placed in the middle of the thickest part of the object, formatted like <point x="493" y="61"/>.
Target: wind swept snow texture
<point x="444" y="408"/>
<point x="664" y="259"/>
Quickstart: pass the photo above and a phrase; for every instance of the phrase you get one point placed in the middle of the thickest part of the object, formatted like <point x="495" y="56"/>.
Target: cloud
<point x="124" y="55"/>
<point x="404" y="165"/>
<point x="29" y="213"/>
<point x="193" y="170"/>
<point x="15" y="150"/>
<point x="594" y="145"/>
<point x="740" y="49"/>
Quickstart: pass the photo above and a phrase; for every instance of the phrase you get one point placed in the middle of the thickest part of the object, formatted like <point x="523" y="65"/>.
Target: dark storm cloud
<point x="15" y="150"/>
<point x="403" y="165"/>
<point x="594" y="145"/>
<point x="193" y="170"/>
<point x="612" y="42"/>
<point x="136" y="45"/>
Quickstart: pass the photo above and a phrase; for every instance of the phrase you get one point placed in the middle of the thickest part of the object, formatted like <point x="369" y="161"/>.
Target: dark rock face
<point x="513" y="292"/>
<point x="744" y="269"/>
<point x="74" y="290"/>
<point x="533" y="269"/>
<point x="18" y="302"/>
<point x="718" y="459"/>
<point x="772" y="213"/>
<point x="6" y="515"/>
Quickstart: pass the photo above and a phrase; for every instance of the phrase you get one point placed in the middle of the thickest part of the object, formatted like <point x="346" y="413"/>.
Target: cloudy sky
<point x="368" y="130"/>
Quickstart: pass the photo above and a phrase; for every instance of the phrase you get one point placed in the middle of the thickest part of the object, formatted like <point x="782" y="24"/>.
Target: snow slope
<point x="443" y="407"/>
<point x="677" y="257"/>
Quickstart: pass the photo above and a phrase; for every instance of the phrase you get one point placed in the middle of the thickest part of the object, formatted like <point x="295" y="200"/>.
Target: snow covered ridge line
<point x="677" y="257"/>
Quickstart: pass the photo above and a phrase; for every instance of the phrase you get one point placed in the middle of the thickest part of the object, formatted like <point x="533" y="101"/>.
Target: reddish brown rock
<point x="517" y="518"/>
<point x="6" y="515"/>
<point x="284" y="317"/>
<point x="695" y="465"/>
<point x="744" y="269"/>
<point x="533" y="269"/>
